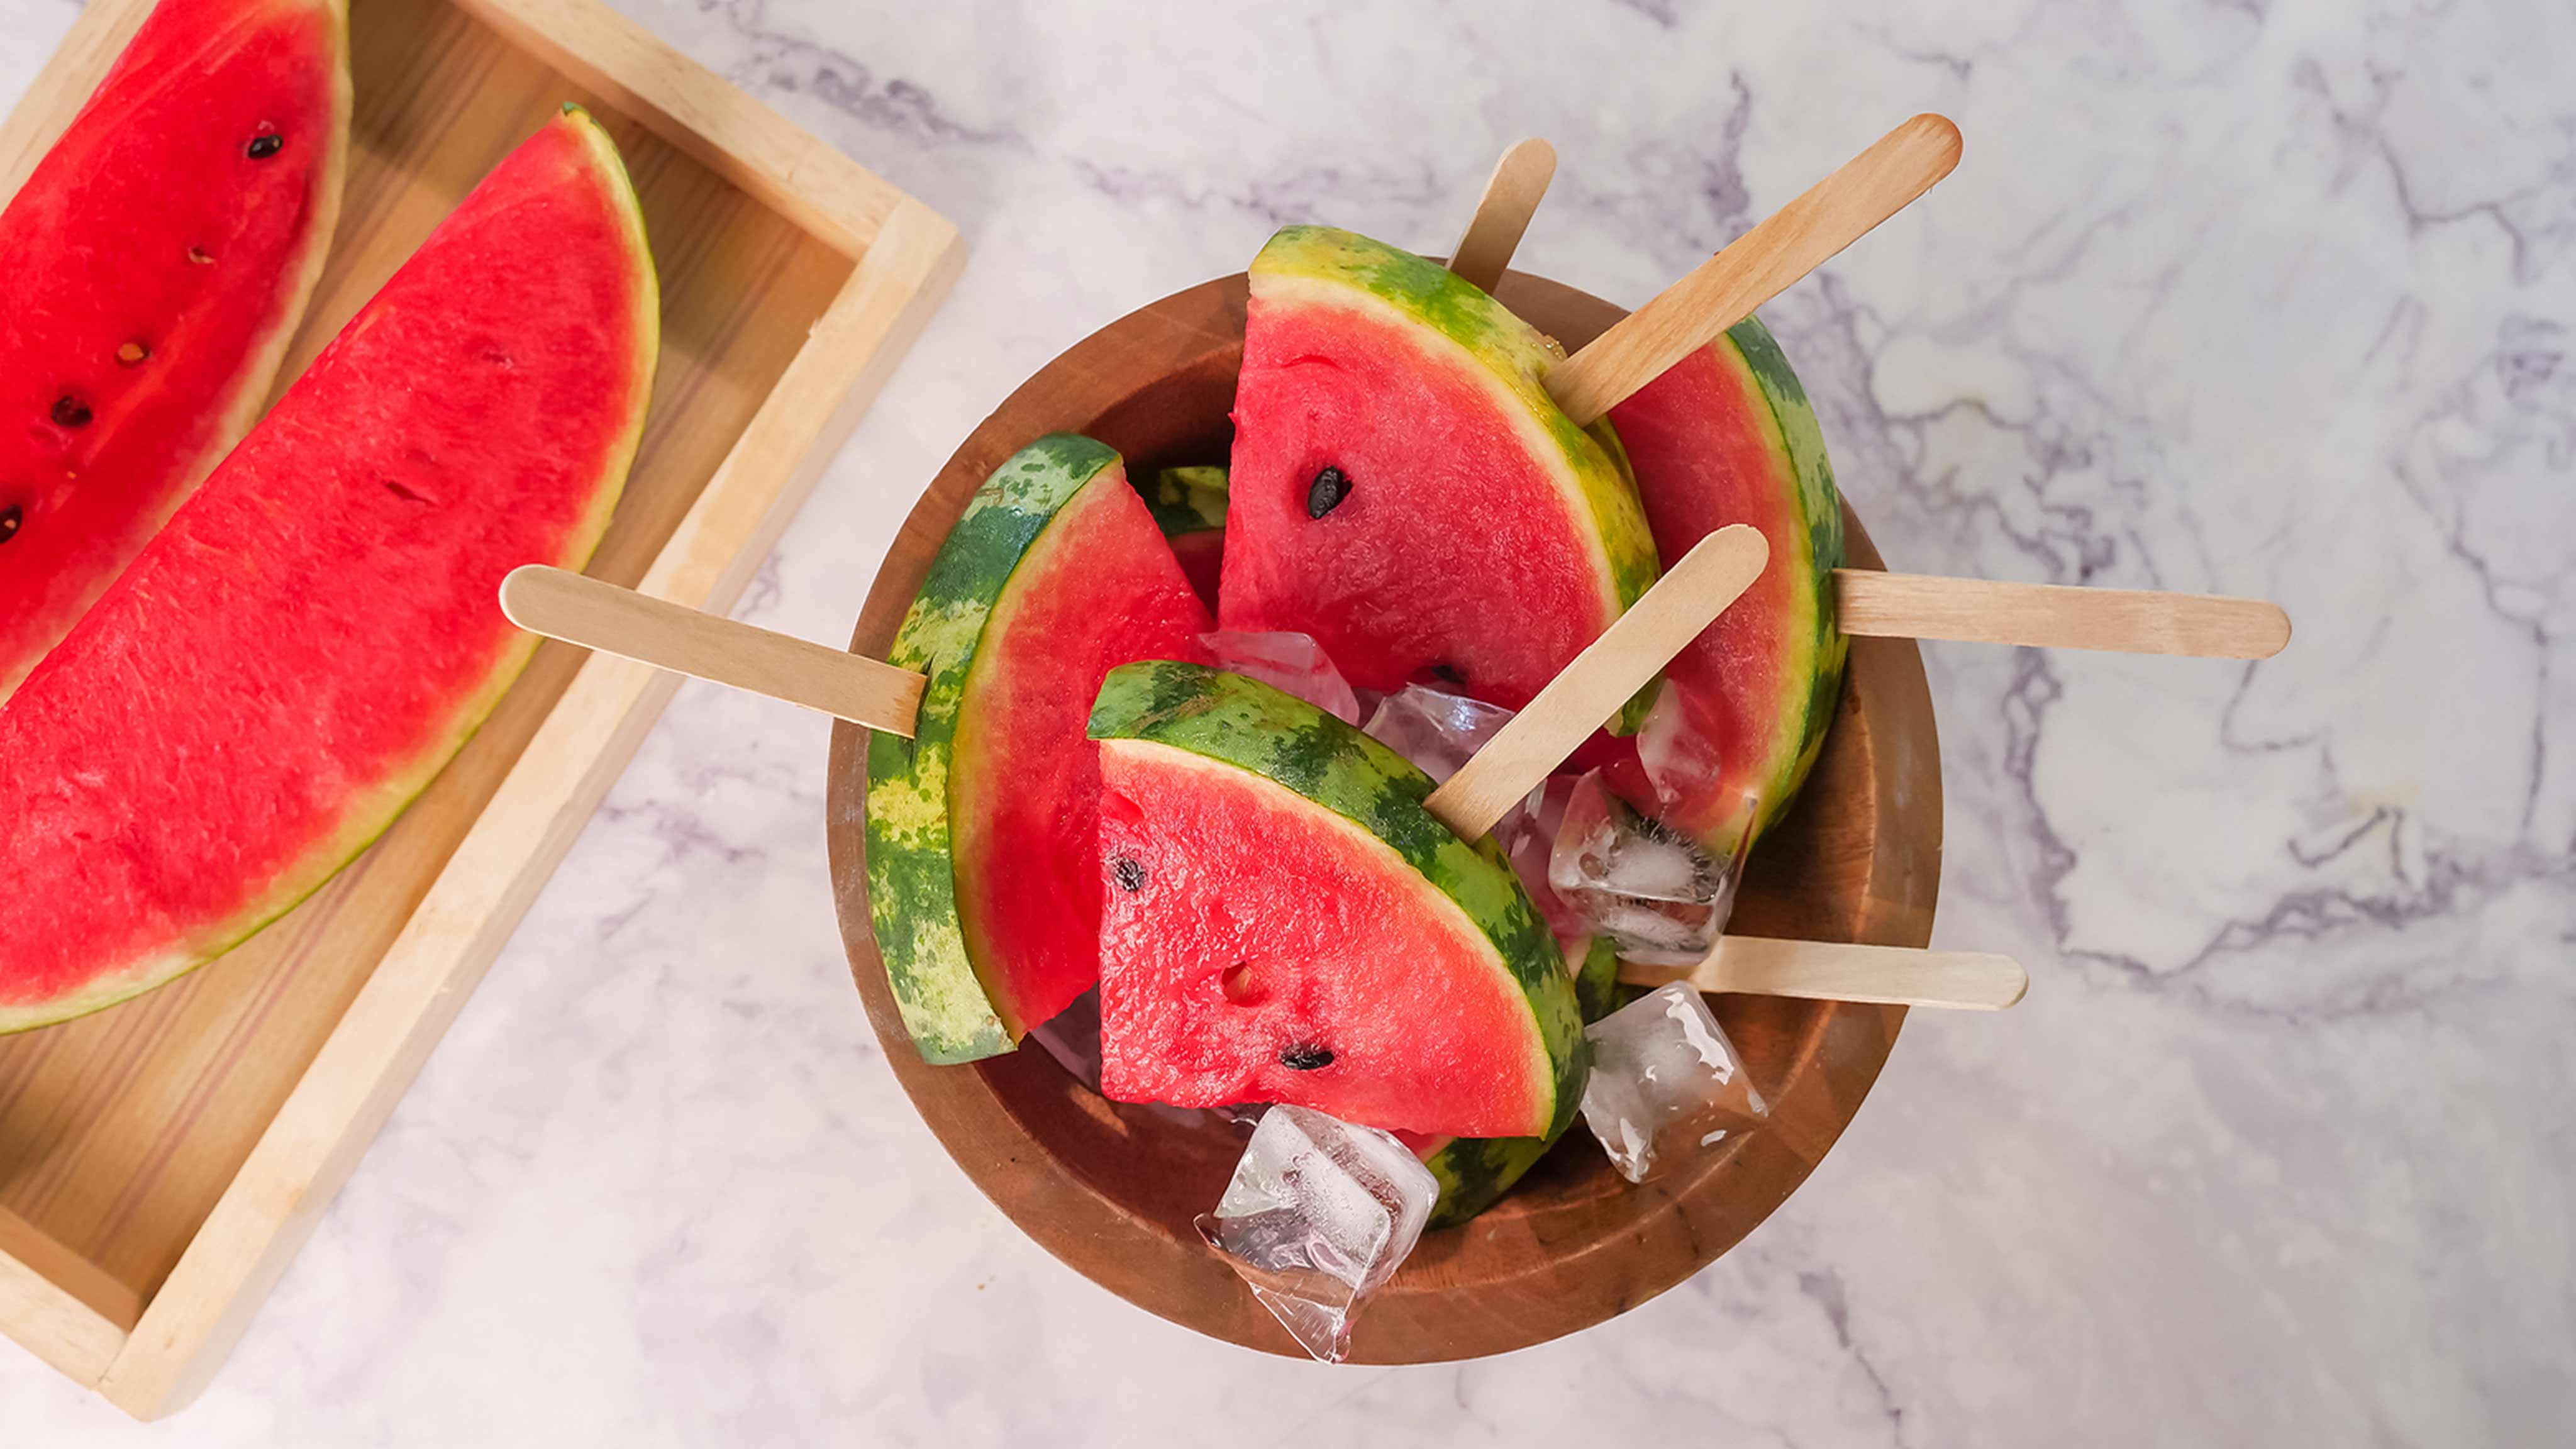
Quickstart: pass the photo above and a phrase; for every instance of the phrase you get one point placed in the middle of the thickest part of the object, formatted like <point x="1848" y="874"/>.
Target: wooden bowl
<point x="1111" y="1189"/>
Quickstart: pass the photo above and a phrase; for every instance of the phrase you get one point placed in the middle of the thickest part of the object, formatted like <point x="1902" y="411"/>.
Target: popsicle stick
<point x="1511" y="195"/>
<point x="1757" y="266"/>
<point x="1589" y="690"/>
<point x="1828" y="971"/>
<point x="2131" y="621"/>
<point x="602" y="616"/>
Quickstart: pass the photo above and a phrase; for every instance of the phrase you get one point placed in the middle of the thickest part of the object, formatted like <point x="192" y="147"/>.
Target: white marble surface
<point x="2270" y="297"/>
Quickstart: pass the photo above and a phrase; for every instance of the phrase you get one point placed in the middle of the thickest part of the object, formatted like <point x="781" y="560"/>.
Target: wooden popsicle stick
<point x="1590" y="689"/>
<point x="1511" y="195"/>
<point x="564" y="605"/>
<point x="1829" y="971"/>
<point x="1755" y="267"/>
<point x="2132" y="621"/>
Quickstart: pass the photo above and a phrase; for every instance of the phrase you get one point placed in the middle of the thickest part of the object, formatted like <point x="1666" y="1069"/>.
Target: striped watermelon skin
<point x="1308" y="775"/>
<point x="153" y="267"/>
<point x="980" y="826"/>
<point x="1727" y="436"/>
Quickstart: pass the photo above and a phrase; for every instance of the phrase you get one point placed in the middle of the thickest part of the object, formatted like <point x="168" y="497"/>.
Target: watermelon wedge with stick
<point x="152" y="270"/>
<point x="980" y="827"/>
<point x="1284" y="921"/>
<point x="315" y="634"/>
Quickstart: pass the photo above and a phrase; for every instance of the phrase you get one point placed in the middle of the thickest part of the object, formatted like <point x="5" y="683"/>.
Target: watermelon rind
<point x="1379" y="795"/>
<point x="1475" y="1172"/>
<point x="912" y="852"/>
<point x="1317" y="266"/>
<point x="373" y="809"/>
<point x="1187" y="500"/>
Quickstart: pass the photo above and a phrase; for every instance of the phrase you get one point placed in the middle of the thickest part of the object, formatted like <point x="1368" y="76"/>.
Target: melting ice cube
<point x="1433" y="728"/>
<point x="1665" y="1082"/>
<point x="1294" y="663"/>
<point x="1318" y="1217"/>
<point x="1648" y="887"/>
<point x="1072" y="1037"/>
<point x="1679" y="757"/>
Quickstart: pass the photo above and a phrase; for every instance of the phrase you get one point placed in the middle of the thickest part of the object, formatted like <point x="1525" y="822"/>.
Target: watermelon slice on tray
<point x="152" y="269"/>
<point x="315" y="634"/>
<point x="1283" y="921"/>
<point x="980" y="828"/>
<point x="1402" y="487"/>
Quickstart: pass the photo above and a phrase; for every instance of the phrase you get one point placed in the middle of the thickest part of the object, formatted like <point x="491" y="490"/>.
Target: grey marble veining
<point x="2270" y="298"/>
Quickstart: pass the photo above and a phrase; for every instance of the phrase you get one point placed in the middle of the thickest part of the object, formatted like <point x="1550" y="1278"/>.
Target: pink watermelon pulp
<point x="1100" y="589"/>
<point x="316" y="633"/>
<point x="1403" y="490"/>
<point x="152" y="269"/>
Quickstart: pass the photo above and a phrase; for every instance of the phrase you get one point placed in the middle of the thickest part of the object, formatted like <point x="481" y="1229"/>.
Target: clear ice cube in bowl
<point x="1666" y="1082"/>
<point x="1319" y="1216"/>
<point x="1646" y="886"/>
<point x="1292" y="663"/>
<point x="1435" y="729"/>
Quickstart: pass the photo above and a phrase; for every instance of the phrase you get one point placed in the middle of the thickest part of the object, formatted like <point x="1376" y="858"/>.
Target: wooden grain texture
<point x="1755" y="267"/>
<point x="1604" y="676"/>
<point x="2127" y="621"/>
<point x="598" y="615"/>
<point x="181" y="1145"/>
<point x="1112" y="1189"/>
<point x="1502" y="215"/>
<point x="1840" y="971"/>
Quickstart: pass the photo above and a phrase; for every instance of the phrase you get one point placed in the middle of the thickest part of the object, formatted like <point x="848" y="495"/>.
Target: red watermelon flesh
<point x="1267" y="934"/>
<point x="315" y="634"/>
<point x="1100" y="588"/>
<point x="1726" y="436"/>
<point x="152" y="269"/>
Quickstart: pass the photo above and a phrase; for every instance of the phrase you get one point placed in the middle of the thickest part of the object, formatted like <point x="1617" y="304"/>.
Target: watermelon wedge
<point x="316" y="633"/>
<point x="1404" y="490"/>
<point x="1726" y="436"/>
<point x="1475" y="1172"/>
<point x="152" y="269"/>
<point x="1283" y="921"/>
<point x="980" y="827"/>
<point x="1189" y="506"/>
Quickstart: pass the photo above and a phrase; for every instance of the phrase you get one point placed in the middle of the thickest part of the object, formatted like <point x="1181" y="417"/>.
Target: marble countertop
<point x="2269" y="297"/>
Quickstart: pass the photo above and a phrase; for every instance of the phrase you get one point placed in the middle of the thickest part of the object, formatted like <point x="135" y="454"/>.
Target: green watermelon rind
<point x="1326" y="266"/>
<point x="1475" y="1172"/>
<point x="1187" y="500"/>
<point x="912" y="867"/>
<point x="1253" y="727"/>
<point x="371" y="814"/>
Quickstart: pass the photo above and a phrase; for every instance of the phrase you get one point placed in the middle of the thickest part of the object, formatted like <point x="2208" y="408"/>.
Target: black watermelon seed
<point x="1305" y="1058"/>
<point x="1130" y="872"/>
<point x="130" y="353"/>
<point x="71" y="412"/>
<point x="1326" y="493"/>
<point x="264" y="145"/>
<point x="1448" y="672"/>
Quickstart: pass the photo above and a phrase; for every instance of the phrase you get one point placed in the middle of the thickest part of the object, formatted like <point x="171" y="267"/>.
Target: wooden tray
<point x="1112" y="1189"/>
<point x="161" y="1162"/>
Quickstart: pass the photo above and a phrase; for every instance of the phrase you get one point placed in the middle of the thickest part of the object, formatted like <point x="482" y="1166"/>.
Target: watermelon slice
<point x="1475" y="1172"/>
<point x="316" y="633"/>
<point x="1404" y="490"/>
<point x="980" y="827"/>
<point x="152" y="269"/>
<point x="1726" y="436"/>
<point x="1285" y="922"/>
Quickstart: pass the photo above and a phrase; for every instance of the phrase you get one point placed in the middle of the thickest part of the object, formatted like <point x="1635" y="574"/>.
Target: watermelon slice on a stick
<point x="152" y="269"/>
<point x="313" y="636"/>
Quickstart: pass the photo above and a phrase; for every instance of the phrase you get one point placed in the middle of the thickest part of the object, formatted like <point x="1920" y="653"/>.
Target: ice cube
<point x="1665" y="1082"/>
<point x="1433" y="728"/>
<point x="1680" y="758"/>
<point x="1072" y="1037"/>
<point x="1528" y="837"/>
<point x="1317" y="1218"/>
<point x="1648" y="887"/>
<point x="1294" y="663"/>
